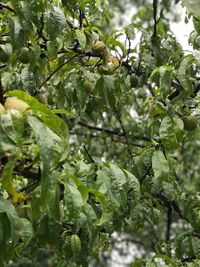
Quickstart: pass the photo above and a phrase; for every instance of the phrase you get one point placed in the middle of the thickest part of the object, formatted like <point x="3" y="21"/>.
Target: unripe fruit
<point x="2" y="109"/>
<point x="24" y="55"/>
<point x="99" y="47"/>
<point x="4" y="57"/>
<point x="14" y="103"/>
<point x="190" y="122"/>
<point x="75" y="244"/>
<point x="88" y="86"/>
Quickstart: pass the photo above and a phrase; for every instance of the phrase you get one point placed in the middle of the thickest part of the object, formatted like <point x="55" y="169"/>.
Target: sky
<point x="182" y="30"/>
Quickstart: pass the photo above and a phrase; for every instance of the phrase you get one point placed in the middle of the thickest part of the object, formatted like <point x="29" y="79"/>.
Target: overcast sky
<point x="180" y="29"/>
<point x="183" y="30"/>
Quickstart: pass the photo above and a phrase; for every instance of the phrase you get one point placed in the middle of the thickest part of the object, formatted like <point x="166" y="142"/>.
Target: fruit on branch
<point x="99" y="47"/>
<point x="2" y="109"/>
<point x="14" y="103"/>
<point x="24" y="55"/>
<point x="190" y="122"/>
<point x="88" y="86"/>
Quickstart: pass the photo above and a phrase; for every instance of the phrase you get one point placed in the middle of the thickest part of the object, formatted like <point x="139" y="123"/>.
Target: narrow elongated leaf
<point x="73" y="200"/>
<point x="26" y="231"/>
<point x="160" y="164"/>
<point x="8" y="184"/>
<point x="81" y="38"/>
<point x="167" y="134"/>
<point x="183" y="73"/>
<point x="50" y="144"/>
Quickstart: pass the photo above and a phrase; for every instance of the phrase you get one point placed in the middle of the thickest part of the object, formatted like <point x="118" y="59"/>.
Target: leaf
<point x="73" y="200"/>
<point x="110" y="181"/>
<point x="81" y="38"/>
<point x="5" y="235"/>
<point x="133" y="184"/>
<point x="28" y="80"/>
<point x="167" y="134"/>
<point x="34" y="104"/>
<point x="81" y="187"/>
<point x="56" y="22"/>
<point x="8" y="185"/>
<point x="160" y="165"/>
<point x="12" y="124"/>
<point x="16" y="32"/>
<point x="26" y="231"/>
<point x="100" y="196"/>
<point x="165" y="79"/>
<point x="193" y="6"/>
<point x="50" y="144"/>
<point x="183" y="72"/>
<point x="53" y="198"/>
<point x="106" y="91"/>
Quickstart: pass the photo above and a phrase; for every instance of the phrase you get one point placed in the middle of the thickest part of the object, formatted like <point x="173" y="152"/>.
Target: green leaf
<point x="73" y="199"/>
<point x="56" y="22"/>
<point x="183" y="72"/>
<point x="50" y="144"/>
<point x="81" y="187"/>
<point x="8" y="184"/>
<point x="12" y="124"/>
<point x="160" y="165"/>
<point x="5" y="235"/>
<point x="26" y="231"/>
<point x="100" y="196"/>
<point x="81" y="38"/>
<point x="165" y="79"/>
<point x="167" y="134"/>
<point x="28" y="80"/>
<point x="133" y="184"/>
<point x="106" y="91"/>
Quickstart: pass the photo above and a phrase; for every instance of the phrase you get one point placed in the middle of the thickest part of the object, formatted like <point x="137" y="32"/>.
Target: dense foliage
<point x="98" y="134"/>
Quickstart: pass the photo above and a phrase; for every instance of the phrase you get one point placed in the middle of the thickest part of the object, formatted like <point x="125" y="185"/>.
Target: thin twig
<point x="110" y="131"/>
<point x="3" y="6"/>
<point x="1" y="92"/>
<point x="88" y="154"/>
<point x="112" y="139"/>
<point x="81" y="16"/>
<point x="155" y="6"/>
<point x="99" y="129"/>
<point x="28" y="186"/>
<point x="56" y="70"/>
<point x="118" y="117"/>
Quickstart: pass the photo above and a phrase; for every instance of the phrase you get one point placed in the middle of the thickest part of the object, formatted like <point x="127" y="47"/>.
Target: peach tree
<point x="98" y="134"/>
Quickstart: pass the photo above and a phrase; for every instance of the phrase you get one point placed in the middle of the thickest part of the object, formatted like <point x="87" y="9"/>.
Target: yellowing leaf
<point x="8" y="185"/>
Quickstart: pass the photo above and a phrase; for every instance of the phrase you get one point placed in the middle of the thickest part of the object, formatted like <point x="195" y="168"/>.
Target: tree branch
<point x="56" y="70"/>
<point x="1" y="92"/>
<point x="110" y="131"/>
<point x="3" y="6"/>
<point x="155" y="6"/>
<point x="99" y="129"/>
<point x="88" y="154"/>
<point x="112" y="139"/>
